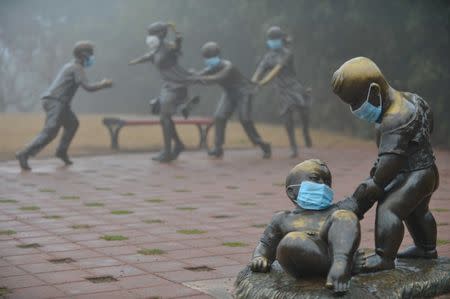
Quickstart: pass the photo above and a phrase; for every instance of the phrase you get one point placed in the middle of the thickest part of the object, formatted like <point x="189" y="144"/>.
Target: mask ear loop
<point x="379" y="95"/>
<point x="289" y="190"/>
<point x="367" y="100"/>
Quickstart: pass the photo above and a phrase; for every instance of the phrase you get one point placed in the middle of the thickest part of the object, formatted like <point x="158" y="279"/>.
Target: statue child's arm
<point x="276" y="69"/>
<point x="265" y="253"/>
<point x="260" y="70"/>
<point x="142" y="59"/>
<point x="272" y="74"/>
<point x="215" y="77"/>
<point x="373" y="189"/>
<point x="81" y="78"/>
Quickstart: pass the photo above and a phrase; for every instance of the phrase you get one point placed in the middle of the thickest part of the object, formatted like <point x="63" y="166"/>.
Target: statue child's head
<point x="308" y="185"/>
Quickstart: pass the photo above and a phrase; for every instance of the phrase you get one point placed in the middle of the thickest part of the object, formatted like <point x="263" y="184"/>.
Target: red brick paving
<point x="226" y="199"/>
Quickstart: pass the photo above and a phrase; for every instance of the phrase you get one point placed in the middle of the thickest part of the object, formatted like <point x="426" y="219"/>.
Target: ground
<point x="122" y="226"/>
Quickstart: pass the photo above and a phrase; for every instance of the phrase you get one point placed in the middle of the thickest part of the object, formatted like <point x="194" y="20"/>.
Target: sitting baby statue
<point x="317" y="238"/>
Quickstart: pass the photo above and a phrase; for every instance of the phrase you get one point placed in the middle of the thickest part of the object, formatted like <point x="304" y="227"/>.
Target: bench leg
<point x="203" y="133"/>
<point x="114" y="134"/>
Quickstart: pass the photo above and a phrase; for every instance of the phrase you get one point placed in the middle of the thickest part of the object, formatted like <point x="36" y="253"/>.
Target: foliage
<point x="408" y="39"/>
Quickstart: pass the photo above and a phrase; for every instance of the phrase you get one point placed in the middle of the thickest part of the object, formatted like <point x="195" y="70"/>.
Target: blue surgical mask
<point x="212" y="62"/>
<point x="367" y="111"/>
<point x="274" y="44"/>
<point x="89" y="61"/>
<point x="314" y="196"/>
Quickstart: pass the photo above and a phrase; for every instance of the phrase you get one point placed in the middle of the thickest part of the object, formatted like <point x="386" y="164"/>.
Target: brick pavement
<point x="146" y="230"/>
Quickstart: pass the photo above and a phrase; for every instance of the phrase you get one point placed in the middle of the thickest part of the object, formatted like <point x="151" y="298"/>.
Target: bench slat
<point x="155" y="121"/>
<point x="115" y="124"/>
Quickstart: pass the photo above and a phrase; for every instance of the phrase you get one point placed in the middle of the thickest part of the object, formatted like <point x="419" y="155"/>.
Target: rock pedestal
<point x="410" y="279"/>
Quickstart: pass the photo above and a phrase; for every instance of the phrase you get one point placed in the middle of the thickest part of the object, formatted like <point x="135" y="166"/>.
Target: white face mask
<point x="152" y="42"/>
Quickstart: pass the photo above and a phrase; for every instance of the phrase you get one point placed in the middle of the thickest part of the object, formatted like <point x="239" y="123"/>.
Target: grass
<point x="102" y="188"/>
<point x="440" y="210"/>
<point x="151" y="251"/>
<point x="52" y="217"/>
<point x="121" y="212"/>
<point x="261" y="225"/>
<point x="30" y="208"/>
<point x="4" y="291"/>
<point x="180" y="177"/>
<point x="101" y="279"/>
<point x="47" y="190"/>
<point x="191" y="231"/>
<point x="7" y="232"/>
<point x="222" y="216"/>
<point x="232" y="187"/>
<point x="81" y="226"/>
<point x="31" y="245"/>
<point x="182" y="190"/>
<point x="64" y="260"/>
<point x="128" y="194"/>
<point x="440" y="242"/>
<point x="234" y="244"/>
<point x="246" y="203"/>
<point x="154" y="200"/>
<point x="113" y="238"/>
<point x="7" y="200"/>
<point x="151" y="221"/>
<point x="186" y="208"/>
<point x="213" y="196"/>
<point x="92" y="138"/>
<point x="70" y="197"/>
<point x="265" y="193"/>
<point x="94" y="204"/>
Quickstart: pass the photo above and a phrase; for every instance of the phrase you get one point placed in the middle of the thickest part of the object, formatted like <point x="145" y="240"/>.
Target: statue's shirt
<point x="234" y="84"/>
<point x="405" y="130"/>
<point x="166" y="60"/>
<point x="287" y="86"/>
<point x="66" y="83"/>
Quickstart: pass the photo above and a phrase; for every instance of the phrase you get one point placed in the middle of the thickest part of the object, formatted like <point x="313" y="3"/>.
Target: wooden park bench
<point x="115" y="124"/>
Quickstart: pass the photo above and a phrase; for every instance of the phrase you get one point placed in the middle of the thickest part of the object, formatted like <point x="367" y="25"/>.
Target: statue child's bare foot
<point x="359" y="260"/>
<point x="338" y="279"/>
<point x="376" y="263"/>
<point x="414" y="252"/>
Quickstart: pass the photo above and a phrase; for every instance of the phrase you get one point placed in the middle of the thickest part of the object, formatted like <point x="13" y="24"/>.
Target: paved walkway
<point x="124" y="227"/>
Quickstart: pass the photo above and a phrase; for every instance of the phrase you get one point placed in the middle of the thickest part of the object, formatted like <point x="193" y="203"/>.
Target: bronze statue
<point x="278" y="65"/>
<point x="56" y="102"/>
<point x="237" y="95"/>
<point x="174" y="93"/>
<point x="404" y="175"/>
<point x="317" y="238"/>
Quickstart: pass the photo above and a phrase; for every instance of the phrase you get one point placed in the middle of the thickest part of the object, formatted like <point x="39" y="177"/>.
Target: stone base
<point x="410" y="279"/>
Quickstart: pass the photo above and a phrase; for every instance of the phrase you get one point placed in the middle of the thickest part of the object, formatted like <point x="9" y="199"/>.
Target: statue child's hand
<point x="260" y="264"/>
<point x="106" y="83"/>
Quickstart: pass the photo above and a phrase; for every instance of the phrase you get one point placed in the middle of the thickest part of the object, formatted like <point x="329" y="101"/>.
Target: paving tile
<point x="46" y="267"/>
<point x="141" y="281"/>
<point x="169" y="290"/>
<point x="27" y="259"/>
<point x="108" y="295"/>
<point x="165" y="266"/>
<point x="22" y="281"/>
<point x="116" y="271"/>
<point x="98" y="262"/>
<point x="251" y="198"/>
<point x="63" y="276"/>
<point x="86" y="287"/>
<point x="40" y="292"/>
<point x="9" y="271"/>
